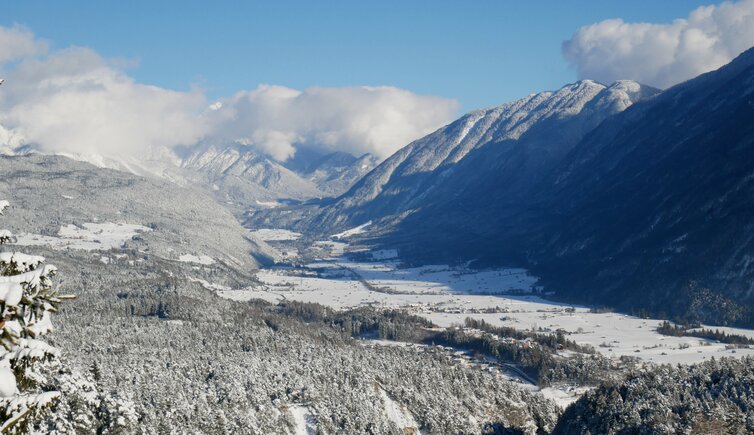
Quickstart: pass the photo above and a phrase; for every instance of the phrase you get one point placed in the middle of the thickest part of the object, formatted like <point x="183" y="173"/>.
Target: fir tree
<point x="27" y="300"/>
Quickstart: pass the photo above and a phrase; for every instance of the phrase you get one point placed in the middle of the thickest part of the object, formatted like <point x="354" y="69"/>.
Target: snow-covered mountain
<point x="235" y="174"/>
<point x="517" y="141"/>
<point x="654" y="208"/>
<point x="240" y="175"/>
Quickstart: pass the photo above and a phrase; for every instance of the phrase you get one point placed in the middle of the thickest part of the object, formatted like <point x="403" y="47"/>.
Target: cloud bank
<point x="377" y="120"/>
<point x="75" y="101"/>
<point x="663" y="54"/>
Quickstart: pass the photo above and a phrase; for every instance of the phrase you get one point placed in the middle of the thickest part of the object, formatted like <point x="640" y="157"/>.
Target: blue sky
<point x="480" y="53"/>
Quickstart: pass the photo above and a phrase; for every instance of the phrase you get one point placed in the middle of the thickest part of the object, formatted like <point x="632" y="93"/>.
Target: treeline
<point x="667" y="328"/>
<point x="365" y="322"/>
<point x="537" y="361"/>
<point x="696" y="303"/>
<point x="555" y="341"/>
<point x="534" y="353"/>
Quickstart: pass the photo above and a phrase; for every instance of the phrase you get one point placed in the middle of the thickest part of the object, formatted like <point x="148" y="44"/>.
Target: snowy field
<point x="88" y="237"/>
<point x="437" y="279"/>
<point x="196" y="259"/>
<point x="341" y="289"/>
<point x="274" y="235"/>
<point x="447" y="295"/>
<point x="611" y="334"/>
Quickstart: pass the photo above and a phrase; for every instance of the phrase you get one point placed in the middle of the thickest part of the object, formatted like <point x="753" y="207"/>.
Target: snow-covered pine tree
<point x="27" y="300"/>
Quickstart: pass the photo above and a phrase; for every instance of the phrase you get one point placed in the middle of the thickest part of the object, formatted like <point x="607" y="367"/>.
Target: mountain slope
<point x="335" y="173"/>
<point x="181" y="222"/>
<point x="535" y="131"/>
<point x="644" y="208"/>
<point x="236" y="175"/>
<point x="659" y="197"/>
<point x="651" y="210"/>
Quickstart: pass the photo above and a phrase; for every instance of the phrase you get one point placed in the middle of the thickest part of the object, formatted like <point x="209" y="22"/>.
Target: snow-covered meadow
<point x="447" y="295"/>
<point x="196" y="259"/>
<point x="88" y="236"/>
<point x="104" y="236"/>
<point x="274" y="235"/>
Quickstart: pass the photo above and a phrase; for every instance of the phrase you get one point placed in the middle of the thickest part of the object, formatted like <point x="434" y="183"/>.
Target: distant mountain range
<point x="238" y="175"/>
<point x="241" y="175"/>
<point x="617" y="195"/>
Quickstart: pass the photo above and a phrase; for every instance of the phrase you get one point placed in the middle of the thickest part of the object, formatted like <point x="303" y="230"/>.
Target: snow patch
<point x="11" y="293"/>
<point x="352" y="232"/>
<point x="303" y="419"/>
<point x="334" y="249"/>
<point x="208" y="285"/>
<point x="198" y="259"/>
<point x="275" y="234"/>
<point x="398" y="414"/>
<point x="88" y="237"/>
<point x="564" y="397"/>
<point x="267" y="204"/>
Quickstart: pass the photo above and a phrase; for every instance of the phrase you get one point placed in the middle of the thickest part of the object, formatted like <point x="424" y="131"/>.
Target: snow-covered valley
<point x="345" y="276"/>
<point x="447" y="295"/>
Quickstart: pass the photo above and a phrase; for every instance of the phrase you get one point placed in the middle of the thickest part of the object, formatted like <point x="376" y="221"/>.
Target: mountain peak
<point x="585" y="84"/>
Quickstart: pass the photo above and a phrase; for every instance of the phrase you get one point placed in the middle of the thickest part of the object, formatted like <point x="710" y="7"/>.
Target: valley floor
<point x="447" y="295"/>
<point x="336" y="274"/>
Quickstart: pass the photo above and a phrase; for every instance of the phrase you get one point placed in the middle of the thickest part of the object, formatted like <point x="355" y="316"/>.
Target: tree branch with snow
<point x="27" y="301"/>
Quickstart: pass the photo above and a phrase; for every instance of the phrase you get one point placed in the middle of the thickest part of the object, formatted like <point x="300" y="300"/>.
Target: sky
<point x="349" y="75"/>
<point x="479" y="53"/>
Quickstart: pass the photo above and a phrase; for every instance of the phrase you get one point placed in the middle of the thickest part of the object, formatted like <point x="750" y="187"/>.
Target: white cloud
<point x="663" y="54"/>
<point x="377" y="120"/>
<point x="74" y="101"/>
<point x="17" y="42"/>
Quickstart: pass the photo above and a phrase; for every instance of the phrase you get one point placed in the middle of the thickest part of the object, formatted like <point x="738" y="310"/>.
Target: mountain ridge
<point x="401" y="182"/>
